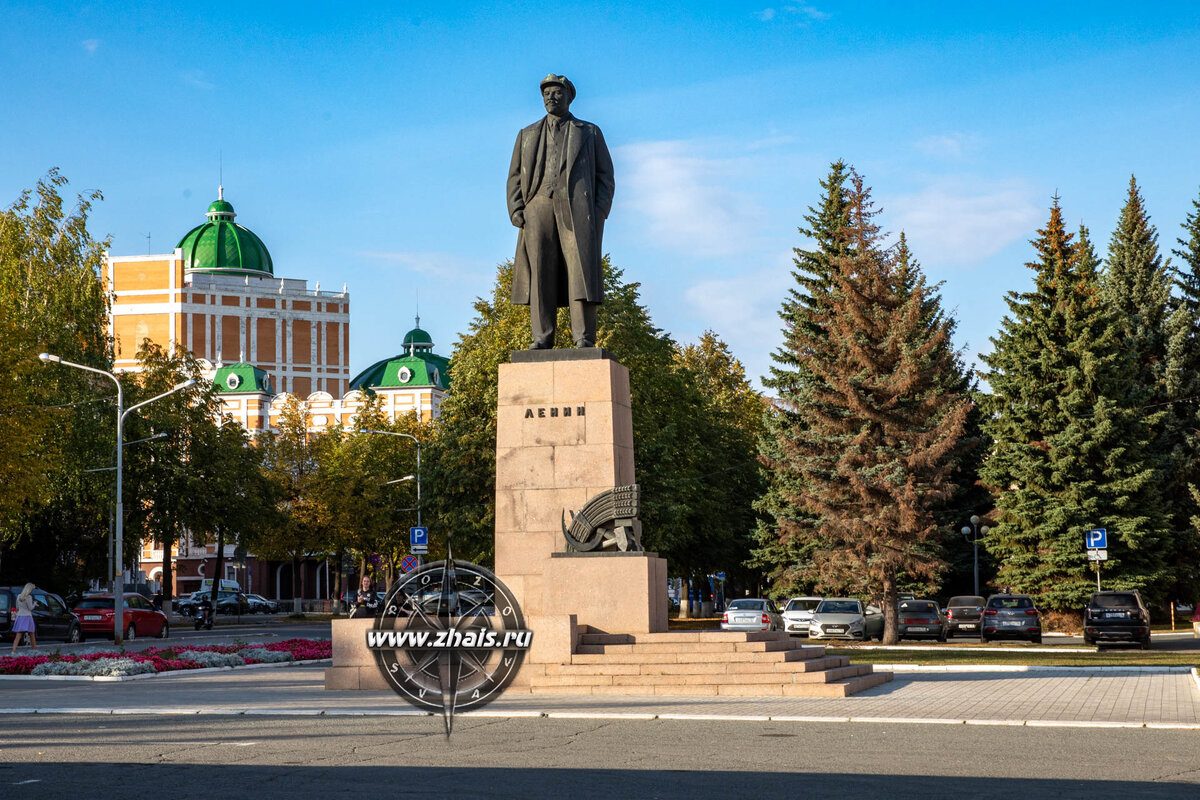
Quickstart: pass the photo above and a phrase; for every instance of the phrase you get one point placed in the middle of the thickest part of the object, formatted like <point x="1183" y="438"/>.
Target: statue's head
<point x="557" y="94"/>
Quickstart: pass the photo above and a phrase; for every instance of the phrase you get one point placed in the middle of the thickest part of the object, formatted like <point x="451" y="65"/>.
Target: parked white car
<point x="752" y="614"/>
<point x="797" y="614"/>
<point x="845" y="618"/>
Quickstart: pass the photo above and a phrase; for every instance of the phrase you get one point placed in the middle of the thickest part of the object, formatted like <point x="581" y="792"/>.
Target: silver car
<point x="798" y="613"/>
<point x="751" y="614"/>
<point x="845" y="618"/>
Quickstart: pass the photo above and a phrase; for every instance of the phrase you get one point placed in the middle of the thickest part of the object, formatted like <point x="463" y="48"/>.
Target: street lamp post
<point x="418" y="475"/>
<point x="118" y="536"/>
<point x="417" y="442"/>
<point x="972" y="533"/>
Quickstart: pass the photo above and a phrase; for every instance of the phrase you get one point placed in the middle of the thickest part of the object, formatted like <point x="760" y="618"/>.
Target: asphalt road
<point x="84" y="756"/>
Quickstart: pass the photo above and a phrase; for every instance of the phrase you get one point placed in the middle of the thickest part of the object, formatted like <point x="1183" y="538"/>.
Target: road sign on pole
<point x="418" y="540"/>
<point x="408" y="563"/>
<point x="1096" y="539"/>
<point x="1097" y="555"/>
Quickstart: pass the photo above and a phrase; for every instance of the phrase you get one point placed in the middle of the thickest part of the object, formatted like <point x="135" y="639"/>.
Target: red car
<point x="95" y="613"/>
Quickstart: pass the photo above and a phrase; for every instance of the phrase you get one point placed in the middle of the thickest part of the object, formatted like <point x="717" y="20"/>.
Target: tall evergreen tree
<point x="1137" y="285"/>
<point x="879" y="430"/>
<point x="780" y="555"/>
<point x="1182" y="387"/>
<point x="970" y="498"/>
<point x="1071" y="446"/>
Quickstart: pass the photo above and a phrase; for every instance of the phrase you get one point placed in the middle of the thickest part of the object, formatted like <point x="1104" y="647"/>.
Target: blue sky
<point x="368" y="144"/>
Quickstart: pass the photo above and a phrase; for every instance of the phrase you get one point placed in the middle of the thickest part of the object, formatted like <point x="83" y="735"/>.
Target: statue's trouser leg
<point x="583" y="323"/>
<point x="545" y="255"/>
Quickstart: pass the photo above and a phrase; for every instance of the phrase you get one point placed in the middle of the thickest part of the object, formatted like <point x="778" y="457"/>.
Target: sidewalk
<point x="1065" y="697"/>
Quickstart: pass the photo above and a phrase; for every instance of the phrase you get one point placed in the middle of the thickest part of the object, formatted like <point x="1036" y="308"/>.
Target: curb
<point x="410" y="712"/>
<point x="171" y="673"/>
<point x="943" y="668"/>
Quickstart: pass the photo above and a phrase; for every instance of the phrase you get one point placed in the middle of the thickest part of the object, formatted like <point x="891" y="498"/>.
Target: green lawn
<point x="1020" y="655"/>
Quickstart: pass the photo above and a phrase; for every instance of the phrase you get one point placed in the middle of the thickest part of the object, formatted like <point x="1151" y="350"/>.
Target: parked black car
<point x="227" y="603"/>
<point x="1011" y="616"/>
<point x="964" y="615"/>
<point x="1117" y="617"/>
<point x="51" y="616"/>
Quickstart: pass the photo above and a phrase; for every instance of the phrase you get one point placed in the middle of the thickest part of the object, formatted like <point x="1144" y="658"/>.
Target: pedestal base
<point x="609" y="592"/>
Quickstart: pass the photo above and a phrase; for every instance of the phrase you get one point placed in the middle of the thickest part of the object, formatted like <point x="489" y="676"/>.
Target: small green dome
<point x="221" y="245"/>
<point x="417" y="338"/>
<point x="417" y="365"/>
<point x="241" y="378"/>
<point x="221" y="207"/>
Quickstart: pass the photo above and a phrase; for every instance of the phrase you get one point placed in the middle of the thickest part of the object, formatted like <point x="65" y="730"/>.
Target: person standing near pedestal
<point x="560" y="190"/>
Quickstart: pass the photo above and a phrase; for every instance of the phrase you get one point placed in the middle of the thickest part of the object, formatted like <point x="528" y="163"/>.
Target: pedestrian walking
<point x="23" y="623"/>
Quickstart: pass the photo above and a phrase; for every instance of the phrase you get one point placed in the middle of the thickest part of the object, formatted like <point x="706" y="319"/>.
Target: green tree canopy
<point x="880" y="427"/>
<point x="1070" y="441"/>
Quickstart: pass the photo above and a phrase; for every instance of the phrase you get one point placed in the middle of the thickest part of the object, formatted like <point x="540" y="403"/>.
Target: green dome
<point x="417" y="338"/>
<point x="405" y="371"/>
<point x="221" y="245"/>
<point x="242" y="378"/>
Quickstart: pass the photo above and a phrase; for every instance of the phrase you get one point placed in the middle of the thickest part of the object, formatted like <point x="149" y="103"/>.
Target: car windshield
<point x="746" y="605"/>
<point x="967" y="601"/>
<point x="95" y="602"/>
<point x="918" y="607"/>
<point x="1114" y="601"/>
<point x="801" y="604"/>
<point x="838" y="607"/>
<point x="1010" y="602"/>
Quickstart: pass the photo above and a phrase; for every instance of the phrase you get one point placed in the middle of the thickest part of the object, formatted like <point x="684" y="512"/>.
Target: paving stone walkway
<point x="1068" y="697"/>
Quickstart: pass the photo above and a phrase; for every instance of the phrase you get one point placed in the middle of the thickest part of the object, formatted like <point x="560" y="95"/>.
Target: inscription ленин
<point x="554" y="411"/>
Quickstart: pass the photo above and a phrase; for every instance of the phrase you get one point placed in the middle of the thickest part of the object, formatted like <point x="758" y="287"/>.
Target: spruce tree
<point x="969" y="498"/>
<point x="1071" y="446"/>
<point x="776" y="552"/>
<point x="1182" y="387"/>
<point x="879" y="431"/>
<point x="1137" y="285"/>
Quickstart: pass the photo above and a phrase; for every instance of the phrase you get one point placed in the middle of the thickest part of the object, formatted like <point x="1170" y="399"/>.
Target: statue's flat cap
<point x="559" y="80"/>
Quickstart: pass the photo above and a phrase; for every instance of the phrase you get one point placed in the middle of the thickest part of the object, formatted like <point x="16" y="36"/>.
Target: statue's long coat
<point x="580" y="213"/>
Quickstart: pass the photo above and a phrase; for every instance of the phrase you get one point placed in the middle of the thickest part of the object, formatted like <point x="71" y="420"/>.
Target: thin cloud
<point x="744" y="310"/>
<point x="91" y="45"/>
<point x="947" y="145"/>
<point x="197" y="78"/>
<point x="687" y="200"/>
<point x="439" y="265"/>
<point x="804" y="11"/>
<point x="960" y="221"/>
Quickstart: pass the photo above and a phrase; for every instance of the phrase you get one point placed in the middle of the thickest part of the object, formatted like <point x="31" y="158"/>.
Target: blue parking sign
<point x="1096" y="539"/>
<point x="418" y="537"/>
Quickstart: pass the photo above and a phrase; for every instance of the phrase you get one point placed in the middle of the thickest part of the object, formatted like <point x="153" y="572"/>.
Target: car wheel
<point x="75" y="635"/>
<point x="942" y="638"/>
<point x="1146" y="643"/>
<point x="1088" y="642"/>
<point x="1035" y="639"/>
<point x="165" y="631"/>
<point x="131" y="634"/>
<point x="984" y="640"/>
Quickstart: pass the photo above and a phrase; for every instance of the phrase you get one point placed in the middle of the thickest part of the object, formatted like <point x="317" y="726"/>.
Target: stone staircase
<point x="699" y="663"/>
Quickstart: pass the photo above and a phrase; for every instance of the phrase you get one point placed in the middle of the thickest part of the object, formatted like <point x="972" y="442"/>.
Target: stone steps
<point x="765" y="664"/>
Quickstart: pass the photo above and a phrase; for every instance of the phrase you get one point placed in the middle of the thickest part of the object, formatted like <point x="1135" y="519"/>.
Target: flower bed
<point x="165" y="659"/>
